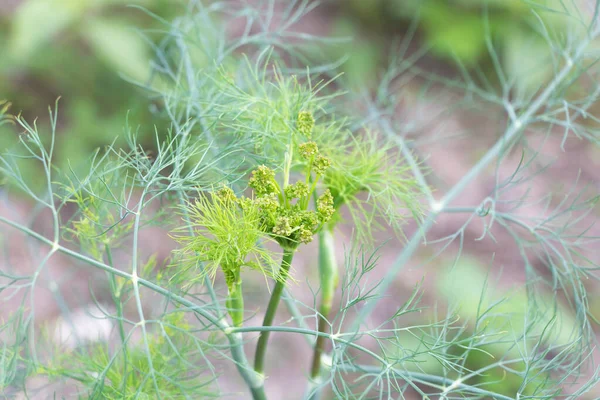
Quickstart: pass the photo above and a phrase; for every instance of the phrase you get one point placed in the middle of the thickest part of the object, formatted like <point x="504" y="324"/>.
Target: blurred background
<point x="86" y="51"/>
<point x="95" y="55"/>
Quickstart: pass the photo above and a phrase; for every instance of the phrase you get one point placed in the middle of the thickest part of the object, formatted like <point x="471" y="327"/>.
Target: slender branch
<point x="290" y="303"/>
<point x="446" y="384"/>
<point x="449" y="385"/>
<point x="261" y="347"/>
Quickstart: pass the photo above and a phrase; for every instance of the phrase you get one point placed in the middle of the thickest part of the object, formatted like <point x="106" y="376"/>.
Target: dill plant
<point x="262" y="158"/>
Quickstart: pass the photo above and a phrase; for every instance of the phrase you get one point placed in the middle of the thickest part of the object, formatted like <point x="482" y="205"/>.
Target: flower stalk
<point x="235" y="302"/>
<point x="261" y="347"/>
<point x="329" y="277"/>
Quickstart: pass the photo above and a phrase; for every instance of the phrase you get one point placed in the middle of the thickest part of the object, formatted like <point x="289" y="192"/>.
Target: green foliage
<point x="13" y="364"/>
<point x="227" y="236"/>
<point x="97" y="226"/>
<point x="168" y="367"/>
<point x="373" y="181"/>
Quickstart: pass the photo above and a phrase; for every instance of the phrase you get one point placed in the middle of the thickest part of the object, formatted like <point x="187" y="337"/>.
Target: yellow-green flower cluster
<point x="285" y="216"/>
<point x="321" y="164"/>
<point x="263" y="181"/>
<point x="325" y="206"/>
<point x="297" y="191"/>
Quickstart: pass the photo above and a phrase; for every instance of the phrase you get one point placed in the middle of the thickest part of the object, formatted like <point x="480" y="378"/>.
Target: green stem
<point x="258" y="393"/>
<point x="261" y="347"/>
<point x="235" y="303"/>
<point x="116" y="297"/>
<point x="329" y="278"/>
<point x="286" y="171"/>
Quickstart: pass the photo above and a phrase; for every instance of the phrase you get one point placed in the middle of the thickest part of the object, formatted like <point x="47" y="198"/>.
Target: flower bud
<point x="297" y="190"/>
<point x="263" y="181"/>
<point x="308" y="150"/>
<point x="325" y="206"/>
<point x="321" y="164"/>
<point x="305" y="123"/>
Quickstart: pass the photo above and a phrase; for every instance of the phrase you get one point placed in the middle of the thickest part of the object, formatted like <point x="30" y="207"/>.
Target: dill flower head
<point x="321" y="164"/>
<point x="325" y="206"/>
<point x="284" y="213"/>
<point x="297" y="190"/>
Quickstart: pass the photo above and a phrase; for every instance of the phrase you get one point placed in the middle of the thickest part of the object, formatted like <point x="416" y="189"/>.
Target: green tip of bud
<point x="305" y="123"/>
<point x="226" y="195"/>
<point x="230" y="277"/>
<point x="308" y="150"/>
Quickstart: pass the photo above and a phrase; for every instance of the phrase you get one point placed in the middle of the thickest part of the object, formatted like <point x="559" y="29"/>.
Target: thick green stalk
<point x="329" y="276"/>
<point x="235" y="303"/>
<point x="329" y="279"/>
<point x="261" y="347"/>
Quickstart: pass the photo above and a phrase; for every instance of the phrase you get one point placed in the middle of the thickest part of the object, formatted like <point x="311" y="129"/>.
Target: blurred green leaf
<point x="119" y="47"/>
<point x="455" y="34"/>
<point x="468" y="280"/>
<point x="509" y="5"/>
<point x="527" y="61"/>
<point x="364" y="56"/>
<point x="36" y="22"/>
